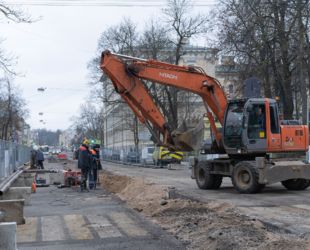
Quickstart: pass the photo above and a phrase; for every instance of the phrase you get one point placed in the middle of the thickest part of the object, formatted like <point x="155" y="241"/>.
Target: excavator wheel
<point x="296" y="184"/>
<point x="204" y="179"/>
<point x="245" y="178"/>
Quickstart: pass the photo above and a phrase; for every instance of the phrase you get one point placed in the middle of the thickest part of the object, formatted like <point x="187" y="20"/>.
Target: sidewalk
<point x="68" y="219"/>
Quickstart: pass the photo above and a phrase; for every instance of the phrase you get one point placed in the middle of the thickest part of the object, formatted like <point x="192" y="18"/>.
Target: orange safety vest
<point x="93" y="152"/>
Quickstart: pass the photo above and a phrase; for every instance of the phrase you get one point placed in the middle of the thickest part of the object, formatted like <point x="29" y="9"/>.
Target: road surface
<point x="65" y="218"/>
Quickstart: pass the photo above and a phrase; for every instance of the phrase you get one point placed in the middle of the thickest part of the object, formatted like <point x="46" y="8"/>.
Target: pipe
<point x="4" y="185"/>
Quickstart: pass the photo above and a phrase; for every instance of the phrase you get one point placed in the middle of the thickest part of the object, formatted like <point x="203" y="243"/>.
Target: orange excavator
<point x="250" y="128"/>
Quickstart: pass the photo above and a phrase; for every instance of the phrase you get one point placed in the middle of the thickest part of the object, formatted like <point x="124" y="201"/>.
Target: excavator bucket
<point x="189" y="135"/>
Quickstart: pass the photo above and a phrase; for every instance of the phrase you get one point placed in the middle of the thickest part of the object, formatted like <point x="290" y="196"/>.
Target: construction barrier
<point x="12" y="156"/>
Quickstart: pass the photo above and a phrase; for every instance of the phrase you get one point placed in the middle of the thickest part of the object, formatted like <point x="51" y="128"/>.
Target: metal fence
<point x="12" y="155"/>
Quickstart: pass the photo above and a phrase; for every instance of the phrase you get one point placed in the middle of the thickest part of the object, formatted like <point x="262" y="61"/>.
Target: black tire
<point x="204" y="179"/>
<point x="245" y="178"/>
<point x="296" y="184"/>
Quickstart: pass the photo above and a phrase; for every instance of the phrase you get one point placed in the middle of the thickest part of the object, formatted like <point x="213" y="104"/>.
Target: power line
<point x="96" y="3"/>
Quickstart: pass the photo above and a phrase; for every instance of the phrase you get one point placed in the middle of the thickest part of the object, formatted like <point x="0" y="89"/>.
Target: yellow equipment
<point x="163" y="156"/>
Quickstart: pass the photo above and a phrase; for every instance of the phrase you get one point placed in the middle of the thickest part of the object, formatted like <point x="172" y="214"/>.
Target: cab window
<point x="233" y="125"/>
<point x="257" y="122"/>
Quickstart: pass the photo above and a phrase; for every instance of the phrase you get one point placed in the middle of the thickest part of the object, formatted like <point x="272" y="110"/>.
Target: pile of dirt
<point x="140" y="195"/>
<point x="113" y="183"/>
<point x="212" y="225"/>
<point x="203" y="226"/>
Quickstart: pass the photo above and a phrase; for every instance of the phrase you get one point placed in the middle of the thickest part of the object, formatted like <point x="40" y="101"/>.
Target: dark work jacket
<point x="84" y="160"/>
<point x="95" y="159"/>
<point x="40" y="156"/>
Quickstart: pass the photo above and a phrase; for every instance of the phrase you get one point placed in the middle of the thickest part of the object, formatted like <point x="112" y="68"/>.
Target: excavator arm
<point x="135" y="94"/>
<point x="127" y="73"/>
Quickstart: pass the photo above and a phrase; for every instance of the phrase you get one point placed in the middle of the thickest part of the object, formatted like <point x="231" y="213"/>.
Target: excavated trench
<point x="211" y="225"/>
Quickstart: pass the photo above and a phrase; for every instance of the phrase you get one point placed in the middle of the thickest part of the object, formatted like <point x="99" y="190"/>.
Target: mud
<point x="211" y="225"/>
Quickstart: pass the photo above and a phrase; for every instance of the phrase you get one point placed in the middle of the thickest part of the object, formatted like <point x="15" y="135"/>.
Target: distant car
<point x="45" y="150"/>
<point x="62" y="156"/>
<point x="45" y="153"/>
<point x="133" y="157"/>
<point x="147" y="155"/>
<point x="116" y="156"/>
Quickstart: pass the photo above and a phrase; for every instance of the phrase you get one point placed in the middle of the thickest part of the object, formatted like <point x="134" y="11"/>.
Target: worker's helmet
<point x="86" y="142"/>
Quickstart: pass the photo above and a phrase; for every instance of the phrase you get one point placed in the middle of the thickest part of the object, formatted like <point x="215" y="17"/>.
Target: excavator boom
<point x="127" y="73"/>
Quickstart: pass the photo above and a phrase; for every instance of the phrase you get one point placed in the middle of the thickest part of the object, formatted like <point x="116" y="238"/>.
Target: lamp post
<point x="41" y="89"/>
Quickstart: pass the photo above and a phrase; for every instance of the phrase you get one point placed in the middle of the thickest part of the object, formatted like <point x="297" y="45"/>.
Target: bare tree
<point x="266" y="38"/>
<point x="12" y="110"/>
<point x="89" y="123"/>
<point x="14" y="15"/>
<point x="303" y="15"/>
<point x="155" y="42"/>
<point x="183" y="25"/>
<point x="122" y="38"/>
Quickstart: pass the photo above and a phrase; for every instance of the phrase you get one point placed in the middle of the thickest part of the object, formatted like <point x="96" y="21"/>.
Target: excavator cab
<point x="252" y="127"/>
<point x="245" y="129"/>
<point x="233" y="126"/>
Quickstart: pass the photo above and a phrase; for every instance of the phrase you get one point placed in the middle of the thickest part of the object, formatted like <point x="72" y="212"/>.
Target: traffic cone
<point x="33" y="187"/>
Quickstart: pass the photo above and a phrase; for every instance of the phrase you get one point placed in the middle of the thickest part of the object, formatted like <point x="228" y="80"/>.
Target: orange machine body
<point x="289" y="137"/>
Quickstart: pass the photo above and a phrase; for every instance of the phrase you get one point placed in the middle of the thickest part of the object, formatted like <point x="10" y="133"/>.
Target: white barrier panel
<point x="8" y="235"/>
<point x="6" y="163"/>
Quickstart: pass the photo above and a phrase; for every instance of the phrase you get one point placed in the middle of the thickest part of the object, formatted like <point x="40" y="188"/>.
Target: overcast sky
<point x="53" y="53"/>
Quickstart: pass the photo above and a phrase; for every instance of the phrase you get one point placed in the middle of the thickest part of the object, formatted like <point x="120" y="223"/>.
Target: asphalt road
<point x="62" y="219"/>
<point x="283" y="210"/>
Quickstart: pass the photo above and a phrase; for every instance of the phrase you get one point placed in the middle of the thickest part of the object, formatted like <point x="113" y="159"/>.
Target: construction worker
<point x="33" y="157"/>
<point x="95" y="166"/>
<point x="40" y="158"/>
<point x="84" y="163"/>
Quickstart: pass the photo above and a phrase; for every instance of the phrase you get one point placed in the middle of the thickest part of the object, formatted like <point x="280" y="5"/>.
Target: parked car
<point x="147" y="155"/>
<point x="133" y="156"/>
<point x="106" y="154"/>
<point x="116" y="156"/>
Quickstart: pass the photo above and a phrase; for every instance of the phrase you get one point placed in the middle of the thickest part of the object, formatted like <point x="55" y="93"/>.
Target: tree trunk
<point x="136" y="133"/>
<point x="267" y="83"/>
<point x="288" y="105"/>
<point x="302" y="79"/>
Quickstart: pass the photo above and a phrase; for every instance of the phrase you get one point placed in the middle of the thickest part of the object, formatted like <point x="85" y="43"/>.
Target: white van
<point x="147" y="155"/>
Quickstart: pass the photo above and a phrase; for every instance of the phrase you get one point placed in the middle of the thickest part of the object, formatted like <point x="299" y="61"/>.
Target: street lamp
<point x="41" y="89"/>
